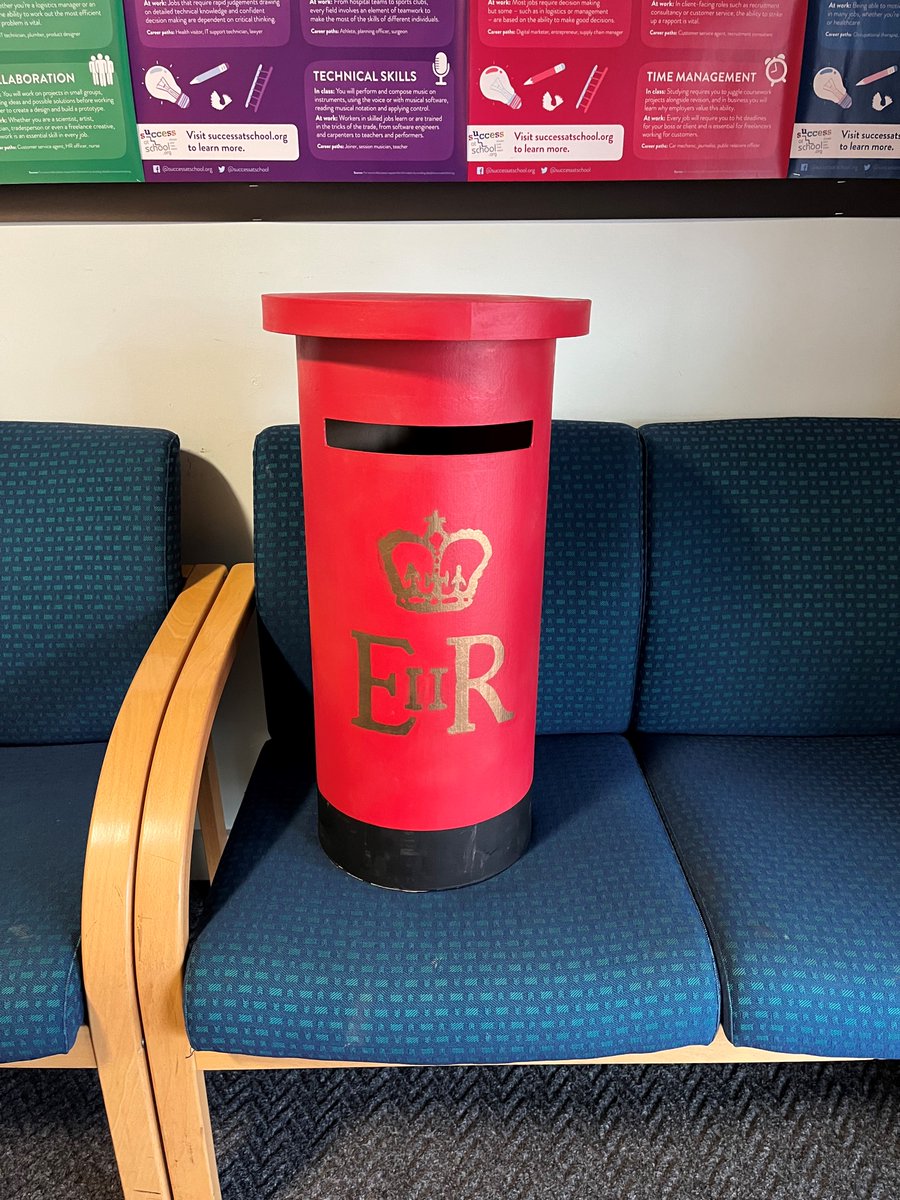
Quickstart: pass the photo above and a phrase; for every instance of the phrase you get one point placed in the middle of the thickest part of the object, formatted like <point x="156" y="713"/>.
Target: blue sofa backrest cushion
<point x="592" y="580"/>
<point x="89" y="565"/>
<point x="773" y="597"/>
<point x="593" y="576"/>
<point x="282" y="602"/>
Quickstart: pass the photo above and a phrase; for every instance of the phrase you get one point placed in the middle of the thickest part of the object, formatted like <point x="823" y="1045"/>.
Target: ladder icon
<point x="258" y="86"/>
<point x="591" y="87"/>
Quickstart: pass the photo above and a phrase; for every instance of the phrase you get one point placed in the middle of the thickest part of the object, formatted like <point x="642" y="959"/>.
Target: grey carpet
<point x="781" y="1132"/>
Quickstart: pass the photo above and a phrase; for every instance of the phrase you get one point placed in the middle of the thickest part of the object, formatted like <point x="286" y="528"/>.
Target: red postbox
<point x="425" y="436"/>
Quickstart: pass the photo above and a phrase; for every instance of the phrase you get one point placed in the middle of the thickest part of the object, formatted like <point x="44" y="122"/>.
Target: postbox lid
<point x="405" y="316"/>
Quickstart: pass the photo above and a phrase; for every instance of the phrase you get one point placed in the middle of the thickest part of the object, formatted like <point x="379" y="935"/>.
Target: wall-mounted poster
<point x="258" y="91"/>
<point x="848" y="114"/>
<point x="263" y="90"/>
<point x="632" y="89"/>
<point x="66" y="114"/>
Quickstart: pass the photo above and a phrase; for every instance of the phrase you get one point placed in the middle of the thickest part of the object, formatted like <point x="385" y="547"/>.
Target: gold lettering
<point x="437" y="703"/>
<point x="413" y="705"/>
<point x="415" y="700"/>
<point x="367" y="681"/>
<point x="466" y="684"/>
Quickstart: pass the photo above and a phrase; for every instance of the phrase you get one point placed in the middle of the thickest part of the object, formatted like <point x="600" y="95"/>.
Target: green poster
<point x="66" y="108"/>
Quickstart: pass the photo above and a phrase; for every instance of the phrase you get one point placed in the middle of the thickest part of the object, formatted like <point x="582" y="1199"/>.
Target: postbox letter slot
<point x="428" y="439"/>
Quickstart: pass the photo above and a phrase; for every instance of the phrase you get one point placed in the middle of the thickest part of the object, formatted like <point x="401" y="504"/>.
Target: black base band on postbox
<point x="431" y="860"/>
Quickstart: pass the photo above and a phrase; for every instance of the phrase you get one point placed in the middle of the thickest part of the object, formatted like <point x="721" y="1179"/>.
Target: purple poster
<point x="255" y="91"/>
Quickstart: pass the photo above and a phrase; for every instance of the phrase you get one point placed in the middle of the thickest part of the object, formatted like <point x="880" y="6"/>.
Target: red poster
<point x="632" y="89"/>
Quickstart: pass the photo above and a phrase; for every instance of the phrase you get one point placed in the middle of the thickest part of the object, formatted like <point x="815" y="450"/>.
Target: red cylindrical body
<point x="425" y="464"/>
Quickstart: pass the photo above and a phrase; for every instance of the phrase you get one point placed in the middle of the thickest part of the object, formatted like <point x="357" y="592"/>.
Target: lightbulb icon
<point x="161" y="84"/>
<point x="495" y="85"/>
<point x="828" y="85"/>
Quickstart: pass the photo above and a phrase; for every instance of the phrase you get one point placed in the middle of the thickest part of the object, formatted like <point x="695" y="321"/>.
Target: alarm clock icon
<point x="776" y="69"/>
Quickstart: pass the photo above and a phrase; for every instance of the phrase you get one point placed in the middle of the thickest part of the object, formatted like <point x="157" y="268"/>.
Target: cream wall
<point x="160" y="325"/>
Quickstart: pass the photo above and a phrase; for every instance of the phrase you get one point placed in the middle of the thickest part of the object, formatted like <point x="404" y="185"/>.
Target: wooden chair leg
<point x="131" y="1111"/>
<point x="179" y="1088"/>
<point x="210" y="813"/>
<point x="186" y="1129"/>
<point x="162" y="889"/>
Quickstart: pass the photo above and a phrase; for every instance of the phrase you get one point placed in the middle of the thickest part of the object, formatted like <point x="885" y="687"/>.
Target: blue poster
<point x="848" y="111"/>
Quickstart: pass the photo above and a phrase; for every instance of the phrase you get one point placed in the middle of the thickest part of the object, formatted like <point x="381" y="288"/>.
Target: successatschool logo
<point x="484" y="143"/>
<point x="158" y="143"/>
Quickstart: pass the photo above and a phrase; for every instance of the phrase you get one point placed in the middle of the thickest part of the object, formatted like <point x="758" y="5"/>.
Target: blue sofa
<point x="89" y="566"/>
<point x="767" y="714"/>
<point x="717" y="787"/>
<point x="96" y="623"/>
<point x="714" y="867"/>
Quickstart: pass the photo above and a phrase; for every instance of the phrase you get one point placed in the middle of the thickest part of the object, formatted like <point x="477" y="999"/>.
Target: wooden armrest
<point x="107" y="909"/>
<point x="164" y="854"/>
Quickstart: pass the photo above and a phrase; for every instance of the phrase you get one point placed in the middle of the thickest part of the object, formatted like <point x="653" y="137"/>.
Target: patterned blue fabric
<point x="592" y="590"/>
<point x="89" y="565"/>
<point x="590" y="945"/>
<point x="282" y="601"/>
<point x="792" y="848"/>
<point x="46" y="797"/>
<point x="593" y="578"/>
<point x="774" y="578"/>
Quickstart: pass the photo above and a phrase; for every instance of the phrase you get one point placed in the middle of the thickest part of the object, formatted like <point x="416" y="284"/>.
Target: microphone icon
<point x="441" y="68"/>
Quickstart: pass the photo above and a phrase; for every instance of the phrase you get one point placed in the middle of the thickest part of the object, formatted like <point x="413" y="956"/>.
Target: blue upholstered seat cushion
<point x="792" y="847"/>
<point x="773" y="577"/>
<point x="592" y="581"/>
<point x="46" y="797"/>
<point x="590" y="945"/>
<point x="89" y="565"/>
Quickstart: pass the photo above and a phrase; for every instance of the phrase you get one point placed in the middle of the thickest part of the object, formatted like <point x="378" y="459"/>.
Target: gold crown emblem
<point x="423" y="583"/>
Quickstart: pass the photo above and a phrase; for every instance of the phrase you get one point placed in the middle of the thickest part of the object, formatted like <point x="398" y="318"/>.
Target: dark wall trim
<point x="449" y="202"/>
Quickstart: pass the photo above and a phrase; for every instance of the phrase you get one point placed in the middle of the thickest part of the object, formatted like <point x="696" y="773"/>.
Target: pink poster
<point x="632" y="89"/>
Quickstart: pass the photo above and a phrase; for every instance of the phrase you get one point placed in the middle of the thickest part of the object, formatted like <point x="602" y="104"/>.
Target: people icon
<point x="102" y="69"/>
